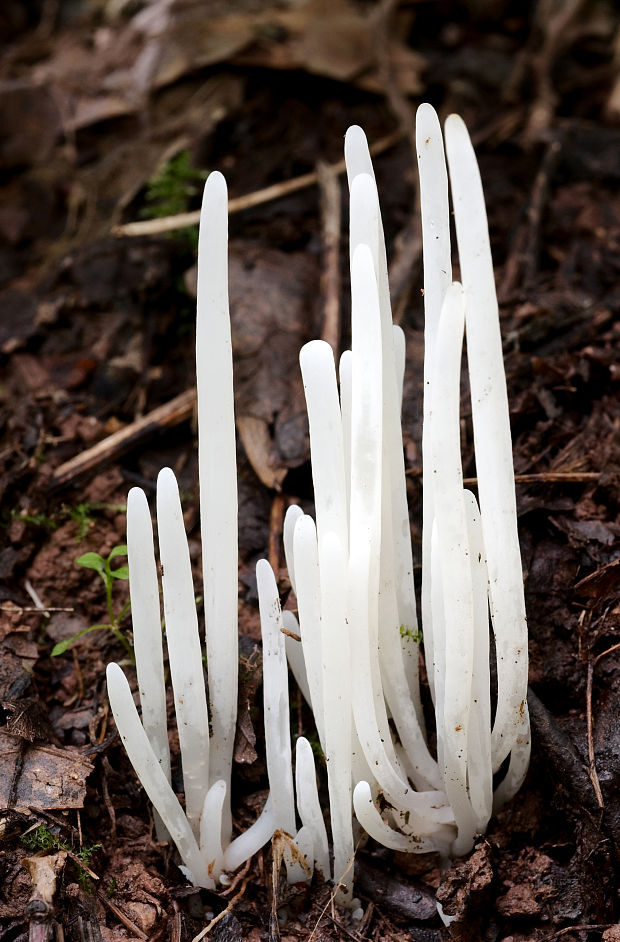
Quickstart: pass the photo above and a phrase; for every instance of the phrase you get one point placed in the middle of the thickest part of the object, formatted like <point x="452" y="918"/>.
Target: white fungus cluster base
<point x="351" y="570"/>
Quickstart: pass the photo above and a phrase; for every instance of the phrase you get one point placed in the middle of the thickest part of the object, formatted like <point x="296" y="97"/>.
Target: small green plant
<point x="85" y="856"/>
<point x="111" y="888"/>
<point x="36" y="520"/>
<point x="170" y="190"/>
<point x="41" y="838"/>
<point x="83" y="514"/>
<point x="104" y="567"/>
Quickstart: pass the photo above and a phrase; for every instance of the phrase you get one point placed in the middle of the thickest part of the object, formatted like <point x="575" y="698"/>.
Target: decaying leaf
<point x="41" y="778"/>
<point x="27" y="719"/>
<point x="254" y="434"/>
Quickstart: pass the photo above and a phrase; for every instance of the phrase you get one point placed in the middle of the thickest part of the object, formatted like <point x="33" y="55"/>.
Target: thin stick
<point x="11" y="608"/>
<point x="568" y="929"/>
<point x="168" y="415"/>
<point x="542" y="477"/>
<point x="329" y="187"/>
<point x="275" y="531"/>
<point x="590" y="725"/>
<point x="236" y="204"/>
<point x="522" y="263"/>
<point x="220" y="916"/>
<point x="32" y="592"/>
<point x="352" y="935"/>
<point x="120" y="915"/>
<point x="237" y="880"/>
<point x="332" y="895"/>
<point x="549" y="477"/>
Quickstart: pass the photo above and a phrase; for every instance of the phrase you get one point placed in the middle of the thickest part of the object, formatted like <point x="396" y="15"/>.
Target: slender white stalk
<point x="336" y="664"/>
<point x="493" y="445"/>
<point x="327" y="450"/>
<point x="437" y="277"/>
<point x="275" y="700"/>
<point x="153" y="780"/>
<point x="147" y="631"/>
<point x="479" y="771"/>
<point x="291" y="517"/>
<point x="326" y="441"/>
<point x="438" y="667"/>
<point x="308" y="805"/>
<point x="211" y="830"/>
<point x="400" y="357"/>
<point x="356" y="153"/>
<point x="184" y="650"/>
<point x="408" y="637"/>
<point x="424" y="770"/>
<point x="405" y="590"/>
<point x="518" y="765"/>
<point x="250" y="842"/>
<point x="458" y="608"/>
<point x="309" y="604"/>
<point x="365" y="511"/>
<point x="295" y="655"/>
<point x="218" y="479"/>
<point x="365" y="225"/>
<point x="397" y="589"/>
<point x="344" y="371"/>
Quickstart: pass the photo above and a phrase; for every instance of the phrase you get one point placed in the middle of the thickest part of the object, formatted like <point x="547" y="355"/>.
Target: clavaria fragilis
<point x="352" y="570"/>
<point x="202" y="830"/>
<point x="471" y="560"/>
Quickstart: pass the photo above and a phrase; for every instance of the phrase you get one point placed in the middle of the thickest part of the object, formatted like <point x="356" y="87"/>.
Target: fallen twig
<point x="120" y="915"/>
<point x="275" y="531"/>
<point x="523" y="256"/>
<point x="590" y="723"/>
<point x="172" y="413"/>
<point x="220" y="916"/>
<point x="238" y="203"/>
<point x="11" y="608"/>
<point x="541" y="477"/>
<point x="568" y="929"/>
<point x="329" y="186"/>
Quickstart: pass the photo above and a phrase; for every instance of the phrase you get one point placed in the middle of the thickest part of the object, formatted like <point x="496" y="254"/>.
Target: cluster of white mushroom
<point x="352" y="571"/>
<point x="206" y="726"/>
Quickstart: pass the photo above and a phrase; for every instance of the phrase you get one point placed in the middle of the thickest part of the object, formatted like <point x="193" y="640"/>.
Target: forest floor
<point x="112" y="112"/>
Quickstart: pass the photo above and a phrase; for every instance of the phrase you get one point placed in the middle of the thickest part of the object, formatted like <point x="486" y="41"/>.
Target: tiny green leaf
<point x="63" y="646"/>
<point x="121" y="573"/>
<point x="120" y="550"/>
<point x="91" y="561"/>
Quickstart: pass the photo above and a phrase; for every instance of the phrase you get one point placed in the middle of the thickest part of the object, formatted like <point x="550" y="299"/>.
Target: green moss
<point x="170" y="192"/>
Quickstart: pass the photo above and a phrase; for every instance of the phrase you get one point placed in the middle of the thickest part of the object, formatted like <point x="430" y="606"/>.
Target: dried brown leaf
<point x="41" y="778"/>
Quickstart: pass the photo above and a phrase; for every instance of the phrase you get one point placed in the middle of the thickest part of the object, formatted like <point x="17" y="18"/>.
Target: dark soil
<point x="96" y="331"/>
